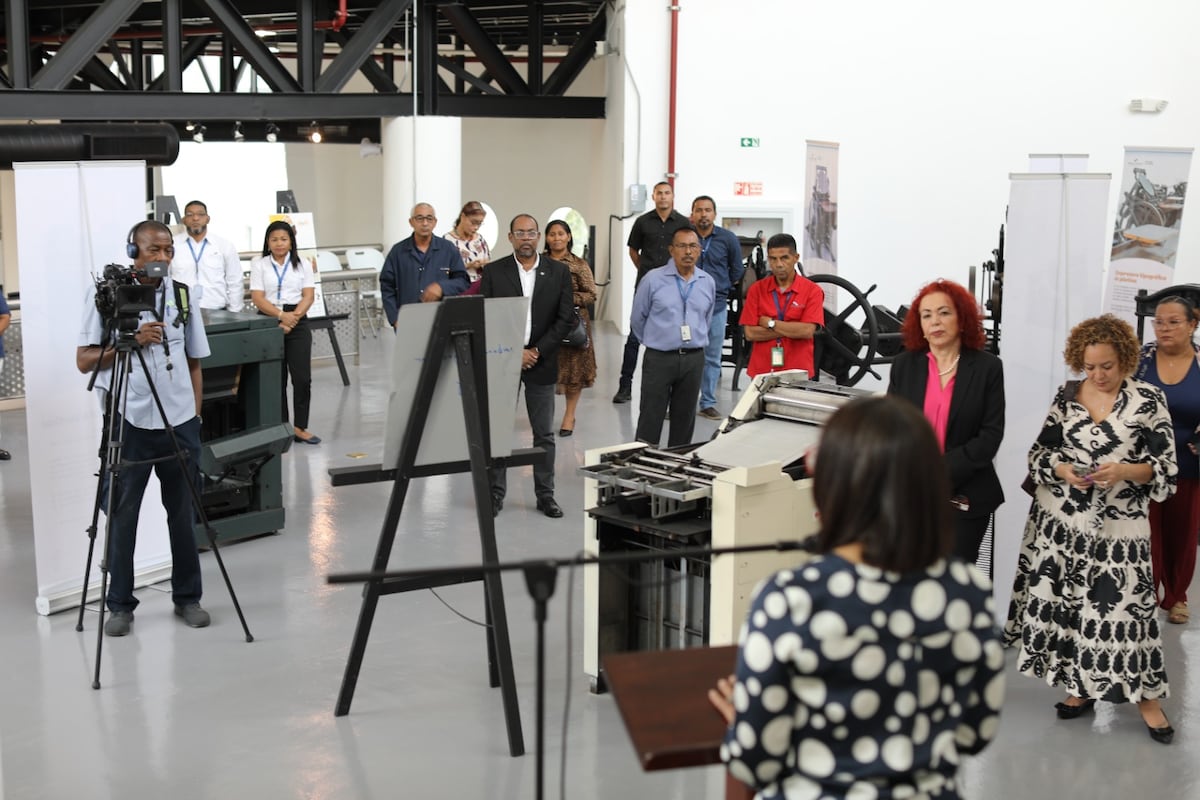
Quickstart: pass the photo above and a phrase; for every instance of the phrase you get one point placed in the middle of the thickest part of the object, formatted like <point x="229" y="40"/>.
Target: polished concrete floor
<point x="188" y="713"/>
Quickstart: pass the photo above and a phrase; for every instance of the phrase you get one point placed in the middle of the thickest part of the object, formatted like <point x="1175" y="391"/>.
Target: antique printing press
<point x="748" y="485"/>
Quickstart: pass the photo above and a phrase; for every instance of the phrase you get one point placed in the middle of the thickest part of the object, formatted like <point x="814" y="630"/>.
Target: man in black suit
<point x="550" y="312"/>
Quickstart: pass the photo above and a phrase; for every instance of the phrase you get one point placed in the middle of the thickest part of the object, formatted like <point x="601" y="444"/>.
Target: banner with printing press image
<point x="819" y="252"/>
<point x="1145" y="239"/>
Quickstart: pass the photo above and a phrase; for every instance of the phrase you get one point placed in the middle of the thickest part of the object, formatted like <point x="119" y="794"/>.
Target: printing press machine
<point x="748" y="485"/>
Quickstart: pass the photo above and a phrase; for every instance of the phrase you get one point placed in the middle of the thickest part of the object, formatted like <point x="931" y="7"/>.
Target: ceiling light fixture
<point x="272" y="132"/>
<point x="238" y="136"/>
<point x="191" y="126"/>
<point x="315" y="134"/>
<point x="198" y="134"/>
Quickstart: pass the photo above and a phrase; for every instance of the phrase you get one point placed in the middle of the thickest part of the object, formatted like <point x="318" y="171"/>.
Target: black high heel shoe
<point x="1073" y="712"/>
<point x="1162" y="735"/>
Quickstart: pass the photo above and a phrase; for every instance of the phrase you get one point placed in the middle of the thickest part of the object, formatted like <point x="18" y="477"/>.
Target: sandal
<point x="1178" y="615"/>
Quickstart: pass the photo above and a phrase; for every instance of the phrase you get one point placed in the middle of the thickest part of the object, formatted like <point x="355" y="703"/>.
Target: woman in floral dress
<point x="1083" y="605"/>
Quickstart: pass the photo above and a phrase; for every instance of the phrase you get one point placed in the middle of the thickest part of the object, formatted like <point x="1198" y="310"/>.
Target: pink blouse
<point x="937" y="401"/>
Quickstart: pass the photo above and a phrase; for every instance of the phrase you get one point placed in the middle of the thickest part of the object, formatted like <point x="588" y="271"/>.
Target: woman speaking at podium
<point x="871" y="669"/>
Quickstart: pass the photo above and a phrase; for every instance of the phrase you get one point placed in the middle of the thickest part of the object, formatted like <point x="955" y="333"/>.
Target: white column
<point x="422" y="163"/>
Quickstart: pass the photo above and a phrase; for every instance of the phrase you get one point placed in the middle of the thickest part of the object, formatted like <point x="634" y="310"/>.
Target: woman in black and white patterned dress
<point x="1083" y="606"/>
<point x="870" y="670"/>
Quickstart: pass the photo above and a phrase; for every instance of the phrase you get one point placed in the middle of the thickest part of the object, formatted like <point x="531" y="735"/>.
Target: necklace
<point x="950" y="368"/>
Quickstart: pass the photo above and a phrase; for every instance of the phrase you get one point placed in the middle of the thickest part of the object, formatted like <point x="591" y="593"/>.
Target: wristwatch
<point x="771" y="324"/>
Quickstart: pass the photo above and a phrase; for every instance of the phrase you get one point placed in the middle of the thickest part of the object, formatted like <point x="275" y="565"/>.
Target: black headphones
<point x="131" y="246"/>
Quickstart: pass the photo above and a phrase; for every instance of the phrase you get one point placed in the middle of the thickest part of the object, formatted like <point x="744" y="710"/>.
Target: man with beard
<point x="548" y="318"/>
<point x="720" y="257"/>
<point x="206" y="263"/>
<point x="671" y="314"/>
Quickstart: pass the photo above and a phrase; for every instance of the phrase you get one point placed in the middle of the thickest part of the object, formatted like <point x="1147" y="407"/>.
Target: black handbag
<point x="577" y="336"/>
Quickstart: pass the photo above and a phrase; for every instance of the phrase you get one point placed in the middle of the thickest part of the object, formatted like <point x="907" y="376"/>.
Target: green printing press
<point x="244" y="433"/>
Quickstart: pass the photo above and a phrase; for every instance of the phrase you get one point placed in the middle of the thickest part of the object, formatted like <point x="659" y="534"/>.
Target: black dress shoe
<point x="5" y="455"/>
<point x="1162" y="735"/>
<point x="624" y="394"/>
<point x="497" y="504"/>
<point x="565" y="432"/>
<point x="547" y="506"/>
<point x="1073" y="712"/>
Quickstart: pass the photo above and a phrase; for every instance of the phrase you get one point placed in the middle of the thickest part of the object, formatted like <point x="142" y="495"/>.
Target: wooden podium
<point x="662" y="697"/>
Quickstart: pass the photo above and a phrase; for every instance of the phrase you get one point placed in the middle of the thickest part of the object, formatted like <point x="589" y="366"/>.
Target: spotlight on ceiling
<point x="198" y="134"/>
<point x="191" y="126"/>
<point x="315" y="134"/>
<point x="238" y="136"/>
<point x="272" y="132"/>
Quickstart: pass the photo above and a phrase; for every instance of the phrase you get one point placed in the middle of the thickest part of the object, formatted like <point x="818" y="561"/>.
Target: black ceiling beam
<point x="172" y="45"/>
<point x="194" y="48"/>
<point x="98" y="74"/>
<point x="425" y="45"/>
<point x="576" y="58"/>
<point x="228" y="19"/>
<point x="526" y="106"/>
<point x="87" y="40"/>
<point x="533" y="65"/>
<point x="307" y="59"/>
<point x="118" y="58"/>
<point x="473" y="34"/>
<point x="462" y="74"/>
<point x="16" y="29"/>
<point x="360" y="47"/>
<point x="150" y="105"/>
<point x="380" y="80"/>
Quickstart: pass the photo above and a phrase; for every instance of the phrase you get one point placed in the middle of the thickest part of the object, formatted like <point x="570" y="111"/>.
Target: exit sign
<point x="749" y="142"/>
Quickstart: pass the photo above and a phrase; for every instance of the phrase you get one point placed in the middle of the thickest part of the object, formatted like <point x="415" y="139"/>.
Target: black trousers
<point x="968" y="535"/>
<point x="297" y="361"/>
<point x="670" y="379"/>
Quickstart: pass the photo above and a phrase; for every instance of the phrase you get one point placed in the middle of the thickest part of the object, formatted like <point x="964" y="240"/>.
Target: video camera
<point x="121" y="299"/>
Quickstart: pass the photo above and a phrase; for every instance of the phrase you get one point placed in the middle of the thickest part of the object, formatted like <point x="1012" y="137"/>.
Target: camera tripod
<point x="112" y="461"/>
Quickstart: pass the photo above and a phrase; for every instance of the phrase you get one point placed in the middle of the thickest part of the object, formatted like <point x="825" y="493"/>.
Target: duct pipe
<point x="155" y="143"/>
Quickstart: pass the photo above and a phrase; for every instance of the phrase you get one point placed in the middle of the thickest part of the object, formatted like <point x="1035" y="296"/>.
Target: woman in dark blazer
<point x="946" y="373"/>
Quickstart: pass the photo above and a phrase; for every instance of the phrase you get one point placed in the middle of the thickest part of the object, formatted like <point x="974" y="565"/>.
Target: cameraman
<point x="146" y="443"/>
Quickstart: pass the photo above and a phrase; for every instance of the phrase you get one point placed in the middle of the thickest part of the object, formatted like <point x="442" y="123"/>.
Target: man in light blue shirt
<point x="171" y="341"/>
<point x="672" y="311"/>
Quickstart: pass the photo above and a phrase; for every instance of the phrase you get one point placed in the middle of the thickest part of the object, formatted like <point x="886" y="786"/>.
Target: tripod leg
<point x="190" y="478"/>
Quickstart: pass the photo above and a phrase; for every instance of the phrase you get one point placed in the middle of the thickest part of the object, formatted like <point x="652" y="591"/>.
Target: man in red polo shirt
<point x="782" y="313"/>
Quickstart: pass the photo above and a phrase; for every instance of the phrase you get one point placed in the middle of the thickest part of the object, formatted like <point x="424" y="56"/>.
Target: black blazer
<point x="975" y="426"/>
<point x="551" y="311"/>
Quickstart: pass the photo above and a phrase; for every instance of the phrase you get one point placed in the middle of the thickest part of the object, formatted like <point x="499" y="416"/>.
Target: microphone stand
<point x="540" y="579"/>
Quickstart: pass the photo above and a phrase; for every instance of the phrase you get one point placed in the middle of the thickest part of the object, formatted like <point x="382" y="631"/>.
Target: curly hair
<point x="970" y="322"/>
<point x="1104" y="329"/>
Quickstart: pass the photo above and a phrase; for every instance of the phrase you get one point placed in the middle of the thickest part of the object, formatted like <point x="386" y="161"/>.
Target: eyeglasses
<point x="1168" y="324"/>
<point x="686" y="247"/>
<point x="424" y="218"/>
<point x="525" y="234"/>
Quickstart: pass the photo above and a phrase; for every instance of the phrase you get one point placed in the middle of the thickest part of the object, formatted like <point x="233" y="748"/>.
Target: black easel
<point x="540" y="578"/>
<point x="459" y="324"/>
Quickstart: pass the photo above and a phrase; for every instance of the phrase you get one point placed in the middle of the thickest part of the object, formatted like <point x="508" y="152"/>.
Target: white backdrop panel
<point x="72" y="219"/>
<point x="1054" y="250"/>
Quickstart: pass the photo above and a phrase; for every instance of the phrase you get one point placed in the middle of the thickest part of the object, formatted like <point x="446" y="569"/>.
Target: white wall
<point x="934" y="103"/>
<point x="343" y="191"/>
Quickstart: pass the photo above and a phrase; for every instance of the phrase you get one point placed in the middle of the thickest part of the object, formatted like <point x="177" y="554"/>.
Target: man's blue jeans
<point x="712" y="355"/>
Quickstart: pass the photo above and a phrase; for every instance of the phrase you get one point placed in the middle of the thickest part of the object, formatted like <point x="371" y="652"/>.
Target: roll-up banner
<point x="1145" y="236"/>
<point x="820" y="208"/>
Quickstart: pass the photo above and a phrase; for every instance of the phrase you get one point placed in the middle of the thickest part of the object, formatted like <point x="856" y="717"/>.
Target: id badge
<point x="685" y="332"/>
<point x="777" y="356"/>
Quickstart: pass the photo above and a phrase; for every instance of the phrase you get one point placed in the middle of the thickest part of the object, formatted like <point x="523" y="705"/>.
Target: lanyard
<point x="279" y="276"/>
<point x="197" y="256"/>
<point x="782" y="309"/>
<point x="704" y="245"/>
<point x="679" y="284"/>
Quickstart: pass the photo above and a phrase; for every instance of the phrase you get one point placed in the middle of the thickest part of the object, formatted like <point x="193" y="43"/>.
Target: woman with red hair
<point x="946" y="373"/>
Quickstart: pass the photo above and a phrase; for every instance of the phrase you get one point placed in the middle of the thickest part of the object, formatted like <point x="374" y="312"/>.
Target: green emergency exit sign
<point x="749" y="142"/>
